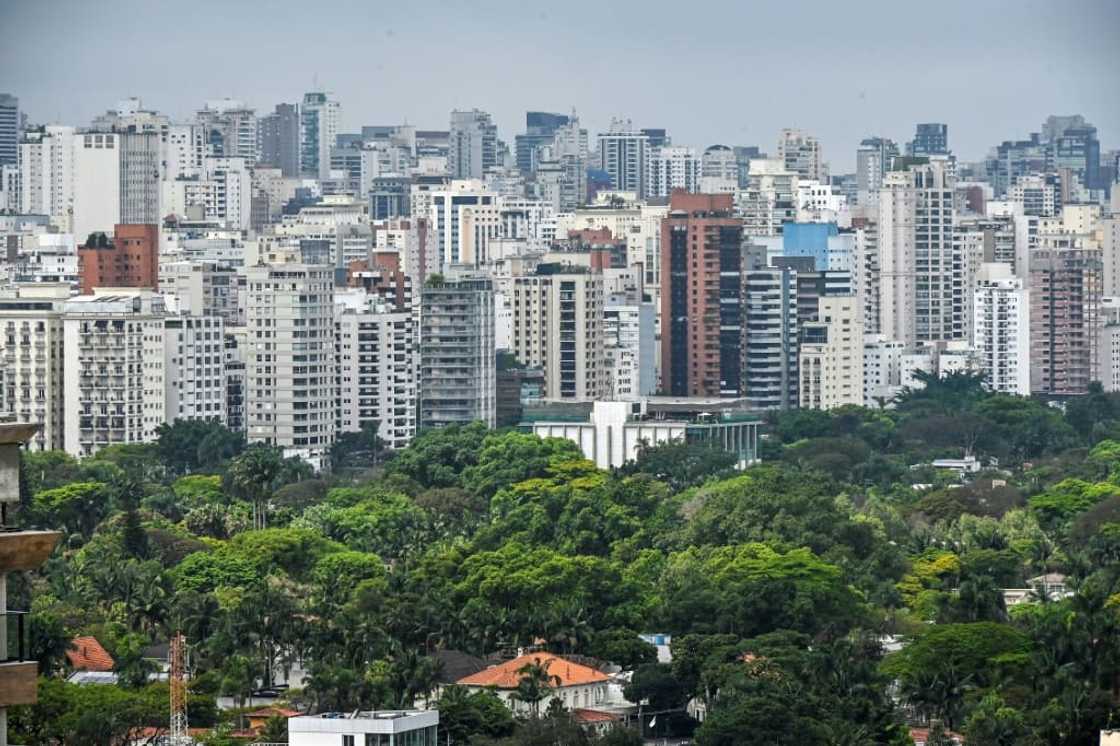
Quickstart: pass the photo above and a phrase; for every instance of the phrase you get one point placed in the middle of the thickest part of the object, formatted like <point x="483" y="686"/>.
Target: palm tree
<point x="535" y="684"/>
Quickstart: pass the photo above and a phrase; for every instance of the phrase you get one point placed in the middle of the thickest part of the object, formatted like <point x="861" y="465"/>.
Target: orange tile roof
<point x="506" y="676"/>
<point x="582" y="715"/>
<point x="88" y="655"/>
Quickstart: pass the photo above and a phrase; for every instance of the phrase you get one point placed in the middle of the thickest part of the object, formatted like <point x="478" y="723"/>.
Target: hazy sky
<point x="720" y="71"/>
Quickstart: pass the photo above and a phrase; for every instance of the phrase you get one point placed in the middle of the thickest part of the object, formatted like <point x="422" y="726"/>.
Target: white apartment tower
<point x="558" y="326"/>
<point x="376" y="367"/>
<point x="831" y="356"/>
<point x="919" y="279"/>
<point x="194" y="368"/>
<point x="463" y="219"/>
<point x="671" y="168"/>
<point x="629" y="329"/>
<point x="290" y="359"/>
<point x="31" y="360"/>
<point x="1001" y="320"/>
<point x="114" y="379"/>
<point x="97" y="184"/>
<point x="47" y="175"/>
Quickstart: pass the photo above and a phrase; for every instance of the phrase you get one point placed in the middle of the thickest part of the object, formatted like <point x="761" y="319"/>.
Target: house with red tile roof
<point x="86" y="654"/>
<point x="573" y="684"/>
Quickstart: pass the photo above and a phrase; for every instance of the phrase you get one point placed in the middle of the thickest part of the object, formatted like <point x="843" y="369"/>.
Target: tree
<point x="508" y="458"/>
<point x="655" y="682"/>
<point x="77" y="507"/>
<point x="258" y="472"/>
<point x="622" y="647"/>
<point x="437" y="458"/>
<point x="993" y="723"/>
<point x="464" y="715"/>
<point x="681" y="463"/>
<point x="942" y="664"/>
<point x="535" y="683"/>
<point x="188" y="446"/>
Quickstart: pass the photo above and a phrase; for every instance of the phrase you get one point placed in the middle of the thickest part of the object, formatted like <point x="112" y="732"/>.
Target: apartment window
<point x="347" y="741"/>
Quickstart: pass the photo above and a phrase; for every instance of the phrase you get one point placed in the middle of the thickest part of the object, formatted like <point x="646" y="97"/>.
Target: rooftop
<point x="507" y="675"/>
<point x="87" y="654"/>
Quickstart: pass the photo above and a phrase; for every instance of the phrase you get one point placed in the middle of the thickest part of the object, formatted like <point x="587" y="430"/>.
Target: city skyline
<point x="387" y="66"/>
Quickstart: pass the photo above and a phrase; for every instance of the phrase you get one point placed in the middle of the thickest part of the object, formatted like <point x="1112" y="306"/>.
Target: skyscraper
<point x="831" y="355"/>
<point x="279" y="139"/>
<point x="231" y="129"/>
<point x="700" y="292"/>
<point x="770" y="336"/>
<point x="874" y="159"/>
<point x="1001" y="334"/>
<point x="624" y="155"/>
<point x="800" y="153"/>
<point x="289" y="373"/>
<point x="472" y="145"/>
<point x="319" y="120"/>
<point x="917" y="270"/>
<point x="458" y="367"/>
<point x="540" y="129"/>
<point x="9" y="130"/>
<point x="1065" y="306"/>
<point x="130" y="259"/>
<point x="930" y="138"/>
<point x="139" y="177"/>
<point x="558" y="326"/>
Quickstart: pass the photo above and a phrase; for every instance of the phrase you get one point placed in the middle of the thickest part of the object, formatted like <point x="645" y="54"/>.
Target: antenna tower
<point x="177" y="733"/>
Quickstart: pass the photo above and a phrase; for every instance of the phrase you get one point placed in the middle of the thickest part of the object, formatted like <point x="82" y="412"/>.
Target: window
<point x="347" y="741"/>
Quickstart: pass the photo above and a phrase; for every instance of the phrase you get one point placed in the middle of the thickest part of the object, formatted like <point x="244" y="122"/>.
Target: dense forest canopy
<point x="783" y="586"/>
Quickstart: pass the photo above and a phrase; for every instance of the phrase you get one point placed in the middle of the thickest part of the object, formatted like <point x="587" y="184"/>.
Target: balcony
<point x="25" y="550"/>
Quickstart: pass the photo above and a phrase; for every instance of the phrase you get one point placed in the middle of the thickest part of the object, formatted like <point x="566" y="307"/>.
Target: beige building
<point x="831" y="357"/>
<point x="31" y="360"/>
<point x="290" y="359"/>
<point x="558" y="326"/>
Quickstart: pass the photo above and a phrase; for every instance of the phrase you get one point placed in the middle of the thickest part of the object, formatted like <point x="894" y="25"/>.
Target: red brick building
<point x="701" y="269"/>
<point x="130" y="259"/>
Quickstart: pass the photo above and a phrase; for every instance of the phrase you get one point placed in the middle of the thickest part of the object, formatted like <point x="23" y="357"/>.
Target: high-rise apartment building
<point x="919" y="278"/>
<point x="46" y="171"/>
<point x="558" y="327"/>
<point x="540" y="130"/>
<point x="1065" y="303"/>
<point x="770" y="198"/>
<point x="830" y="364"/>
<point x="279" y="134"/>
<point x="290" y="359"/>
<point x="130" y="259"/>
<point x="464" y="217"/>
<point x="930" y="138"/>
<point x="770" y="337"/>
<point x="629" y="337"/>
<point x="375" y="368"/>
<point x="230" y="129"/>
<point x="624" y="155"/>
<point x="673" y="168"/>
<point x="139" y="181"/>
<point x="97" y="183"/>
<point x="874" y="159"/>
<point x="32" y="360"/>
<point x="472" y="145"/>
<point x="319" y="122"/>
<point x="701" y="250"/>
<point x="1001" y="319"/>
<point x="800" y="153"/>
<point x="458" y="366"/>
<point x="9" y="130"/>
<point x="114" y="378"/>
<point x="194" y="368"/>
<point x="202" y="288"/>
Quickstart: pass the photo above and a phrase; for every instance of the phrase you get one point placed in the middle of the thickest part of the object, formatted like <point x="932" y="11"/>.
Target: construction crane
<point x="177" y="732"/>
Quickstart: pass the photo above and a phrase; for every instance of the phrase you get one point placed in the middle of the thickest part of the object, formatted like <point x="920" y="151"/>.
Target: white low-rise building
<point x="365" y="728"/>
<point x="573" y="685"/>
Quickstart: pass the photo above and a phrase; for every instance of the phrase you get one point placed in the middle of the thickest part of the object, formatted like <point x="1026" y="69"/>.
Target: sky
<point x="726" y="71"/>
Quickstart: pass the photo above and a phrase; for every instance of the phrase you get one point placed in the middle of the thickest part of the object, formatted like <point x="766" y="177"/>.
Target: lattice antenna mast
<point x="178" y="735"/>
